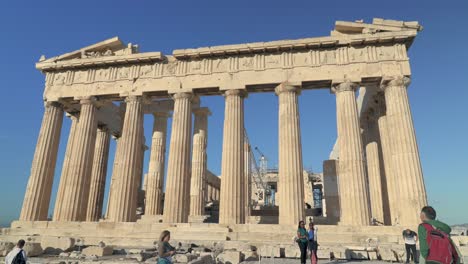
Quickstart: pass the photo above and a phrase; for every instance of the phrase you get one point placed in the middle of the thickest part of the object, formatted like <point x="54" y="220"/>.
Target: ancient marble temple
<point x="107" y="89"/>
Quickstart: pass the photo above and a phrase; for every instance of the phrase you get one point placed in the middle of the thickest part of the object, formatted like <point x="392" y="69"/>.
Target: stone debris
<point x="98" y="251"/>
<point x="229" y="257"/>
<point x="5" y="248"/>
<point x="55" y="245"/>
<point x="33" y="249"/>
<point x="184" y="258"/>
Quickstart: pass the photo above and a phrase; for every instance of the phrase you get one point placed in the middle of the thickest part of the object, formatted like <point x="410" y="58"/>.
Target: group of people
<point x="307" y="239"/>
<point x="435" y="244"/>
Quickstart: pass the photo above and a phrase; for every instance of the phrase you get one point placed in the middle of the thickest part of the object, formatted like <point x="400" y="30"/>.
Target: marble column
<point x="38" y="191"/>
<point x="209" y="193"/>
<point x="386" y="160"/>
<point x="405" y="154"/>
<point x="75" y="185"/>
<point x="372" y="145"/>
<point x="114" y="175"/>
<point x="66" y="164"/>
<point x="199" y="159"/>
<point x="197" y="205"/>
<point x="232" y="198"/>
<point x="98" y="175"/>
<point x="178" y="177"/>
<point x="155" y="176"/>
<point x="354" y="201"/>
<point x="290" y="170"/>
<point x="125" y="186"/>
<point x="247" y="180"/>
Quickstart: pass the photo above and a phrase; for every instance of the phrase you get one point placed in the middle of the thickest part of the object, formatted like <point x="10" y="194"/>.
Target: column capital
<point x="183" y="95"/>
<point x="236" y="92"/>
<point x="52" y="104"/>
<point x="286" y="87"/>
<point x="201" y="111"/>
<point x="87" y="100"/>
<point x="389" y="81"/>
<point x="344" y="86"/>
<point x="103" y="128"/>
<point x="133" y="98"/>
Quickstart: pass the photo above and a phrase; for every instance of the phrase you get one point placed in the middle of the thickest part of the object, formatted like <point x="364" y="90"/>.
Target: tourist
<point x="410" y="238"/>
<point x="313" y="243"/>
<point x="17" y="254"/>
<point x="302" y="240"/>
<point x="441" y="249"/>
<point x="165" y="250"/>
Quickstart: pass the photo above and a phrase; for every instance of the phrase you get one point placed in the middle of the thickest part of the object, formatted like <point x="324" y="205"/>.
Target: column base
<point x="151" y="218"/>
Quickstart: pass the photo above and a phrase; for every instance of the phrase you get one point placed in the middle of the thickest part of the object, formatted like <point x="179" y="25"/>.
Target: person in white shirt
<point x="16" y="252"/>
<point x="410" y="238"/>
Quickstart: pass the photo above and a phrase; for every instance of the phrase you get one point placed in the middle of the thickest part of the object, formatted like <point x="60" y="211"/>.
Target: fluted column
<point x="247" y="180"/>
<point x="199" y="159"/>
<point x="405" y="154"/>
<point x="155" y="176"/>
<point x="232" y="199"/>
<point x="66" y="164"/>
<point x="114" y="175"/>
<point x="76" y="182"/>
<point x="352" y="184"/>
<point x="290" y="171"/>
<point x="98" y="175"/>
<point x="372" y="143"/>
<point x="386" y="160"/>
<point x="37" y="196"/>
<point x="197" y="205"/>
<point x="178" y="170"/>
<point x="125" y="186"/>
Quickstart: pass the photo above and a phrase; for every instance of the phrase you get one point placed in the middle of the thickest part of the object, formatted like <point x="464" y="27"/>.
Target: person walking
<point x="165" y="250"/>
<point x="410" y="238"/>
<point x="302" y="240"/>
<point x="17" y="254"/>
<point x="313" y="243"/>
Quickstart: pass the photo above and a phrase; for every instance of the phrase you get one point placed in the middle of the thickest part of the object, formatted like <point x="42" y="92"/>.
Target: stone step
<point x="323" y="238"/>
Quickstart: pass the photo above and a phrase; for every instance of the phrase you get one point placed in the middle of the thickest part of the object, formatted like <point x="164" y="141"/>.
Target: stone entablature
<point x="258" y="66"/>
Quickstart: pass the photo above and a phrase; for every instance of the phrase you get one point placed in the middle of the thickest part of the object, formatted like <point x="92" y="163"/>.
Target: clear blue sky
<point x="438" y="92"/>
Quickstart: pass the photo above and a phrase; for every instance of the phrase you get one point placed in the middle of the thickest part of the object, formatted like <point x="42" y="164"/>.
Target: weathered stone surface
<point x="372" y="255"/>
<point x="57" y="244"/>
<point x="229" y="257"/>
<point x="184" y="258"/>
<point x="292" y="251"/>
<point x="387" y="254"/>
<point x="5" y="248"/>
<point x="33" y="249"/>
<point x="98" y="251"/>
<point x="269" y="251"/>
<point x="64" y="255"/>
<point x="75" y="254"/>
<point x="203" y="259"/>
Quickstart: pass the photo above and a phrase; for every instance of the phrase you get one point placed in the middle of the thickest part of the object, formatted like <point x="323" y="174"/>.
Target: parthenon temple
<point x="372" y="182"/>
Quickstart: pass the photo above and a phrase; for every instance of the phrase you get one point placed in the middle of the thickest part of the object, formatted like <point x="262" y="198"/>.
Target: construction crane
<point x="261" y="189"/>
<point x="263" y="163"/>
<point x="263" y="175"/>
